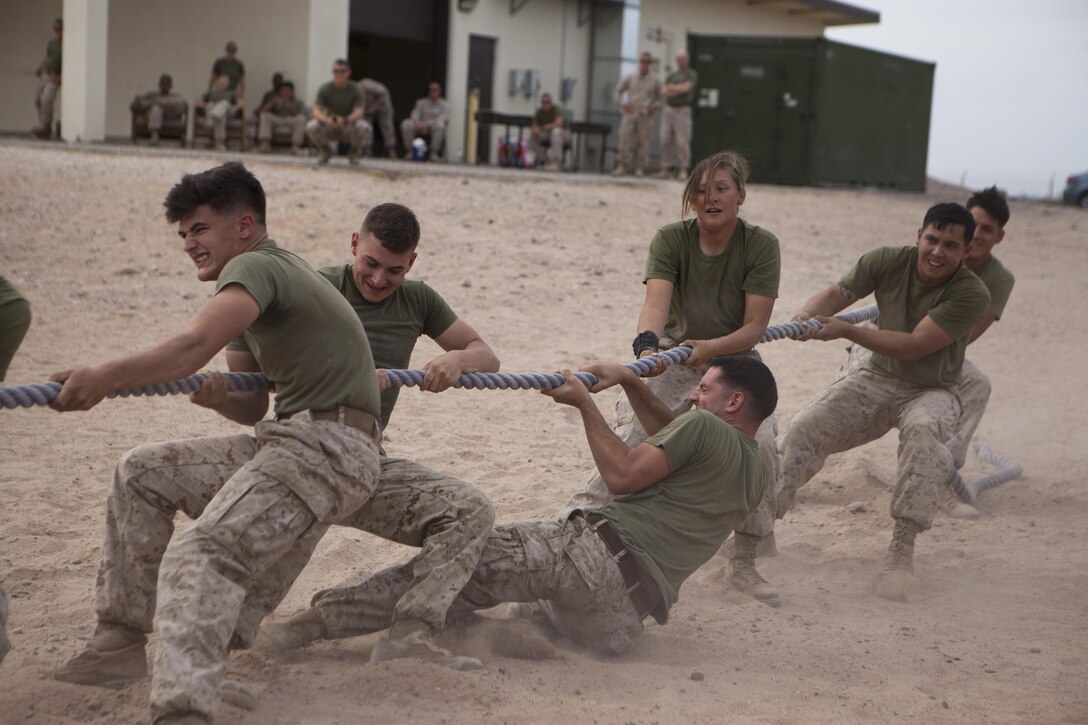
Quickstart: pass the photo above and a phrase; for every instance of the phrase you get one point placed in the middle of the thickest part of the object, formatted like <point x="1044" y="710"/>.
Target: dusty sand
<point x="547" y="268"/>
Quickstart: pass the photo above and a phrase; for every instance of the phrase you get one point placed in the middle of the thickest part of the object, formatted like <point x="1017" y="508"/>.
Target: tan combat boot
<point x="895" y="579"/>
<point x="300" y="630"/>
<point x="742" y="570"/>
<point x="114" y="658"/>
<point x="413" y="638"/>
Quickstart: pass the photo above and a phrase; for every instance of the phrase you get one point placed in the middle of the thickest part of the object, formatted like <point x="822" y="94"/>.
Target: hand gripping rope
<point x="26" y="396"/>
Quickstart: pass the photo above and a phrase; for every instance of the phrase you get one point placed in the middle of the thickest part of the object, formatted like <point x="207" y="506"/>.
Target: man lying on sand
<point x="598" y="574"/>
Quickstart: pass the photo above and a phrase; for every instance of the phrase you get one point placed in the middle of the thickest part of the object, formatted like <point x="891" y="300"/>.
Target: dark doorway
<point x="402" y="45"/>
<point x="481" y="73"/>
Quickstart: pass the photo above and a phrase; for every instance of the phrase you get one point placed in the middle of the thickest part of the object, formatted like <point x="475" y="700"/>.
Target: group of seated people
<point x="343" y="111"/>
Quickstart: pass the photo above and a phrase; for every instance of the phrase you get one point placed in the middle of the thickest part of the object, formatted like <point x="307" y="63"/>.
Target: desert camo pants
<point x="448" y="519"/>
<point x="357" y="134"/>
<point x="673" y="387"/>
<point x="635" y="129"/>
<point x="973" y="393"/>
<point x="564" y="566"/>
<point x="862" y="407"/>
<point x="252" y="498"/>
<point x="676" y="138"/>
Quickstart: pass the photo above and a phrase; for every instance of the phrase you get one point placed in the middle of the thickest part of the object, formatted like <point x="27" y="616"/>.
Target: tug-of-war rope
<point x="26" y="396"/>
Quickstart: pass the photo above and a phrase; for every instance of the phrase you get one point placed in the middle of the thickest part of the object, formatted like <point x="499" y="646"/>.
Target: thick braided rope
<point x="1006" y="472"/>
<point x="25" y="396"/>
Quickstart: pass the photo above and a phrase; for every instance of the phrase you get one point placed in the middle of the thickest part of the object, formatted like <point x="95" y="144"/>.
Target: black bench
<point x="578" y="129"/>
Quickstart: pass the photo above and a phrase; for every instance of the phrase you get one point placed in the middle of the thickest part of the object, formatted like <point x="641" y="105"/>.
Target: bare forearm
<point x="477" y="357"/>
<point x="174" y="358"/>
<point x="744" y="338"/>
<point x="651" y="412"/>
<point x="652" y="318"/>
<point x="609" y="452"/>
<point x="829" y="301"/>
<point x="897" y="345"/>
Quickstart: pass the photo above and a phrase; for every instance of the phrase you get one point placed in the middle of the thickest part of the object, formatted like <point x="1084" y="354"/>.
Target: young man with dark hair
<point x="990" y="210"/>
<point x="413" y="505"/>
<point x="233" y="68"/>
<point x="254" y="498"/>
<point x="282" y="110"/>
<point x="599" y="573"/>
<point x="929" y="305"/>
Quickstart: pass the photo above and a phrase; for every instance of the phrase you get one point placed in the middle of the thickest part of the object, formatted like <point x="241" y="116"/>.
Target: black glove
<point x="647" y="340"/>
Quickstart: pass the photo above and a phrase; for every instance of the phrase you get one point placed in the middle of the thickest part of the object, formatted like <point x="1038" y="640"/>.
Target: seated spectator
<point x="234" y="69"/>
<point x="282" y="110"/>
<point x="549" y="134"/>
<point x="338" y="115"/>
<point x="428" y="120"/>
<point x="277" y="81"/>
<point x="378" y="111"/>
<point x="219" y="104"/>
<point x="161" y="105"/>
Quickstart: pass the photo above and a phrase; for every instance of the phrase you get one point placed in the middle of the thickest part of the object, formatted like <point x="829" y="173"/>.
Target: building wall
<point x="26" y="28"/>
<point x="543" y="35"/>
<point x="150" y="38"/>
<point x="145" y="39"/>
<point x="677" y="18"/>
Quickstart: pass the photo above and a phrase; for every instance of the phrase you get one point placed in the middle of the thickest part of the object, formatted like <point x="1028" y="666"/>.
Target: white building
<point x="512" y="50"/>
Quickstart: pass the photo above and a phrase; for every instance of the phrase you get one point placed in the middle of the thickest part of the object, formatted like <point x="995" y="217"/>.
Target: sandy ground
<point x="547" y="268"/>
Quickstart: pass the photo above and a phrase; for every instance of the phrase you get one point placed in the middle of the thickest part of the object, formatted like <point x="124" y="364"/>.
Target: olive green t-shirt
<point x="543" y="118"/>
<point x="53" y="55"/>
<point x="715" y="478"/>
<point x="676" y="78"/>
<point x="339" y="101"/>
<point x="233" y="69"/>
<point x="956" y="305"/>
<point x="999" y="281"/>
<point x="708" y="292"/>
<point x="394" y="324"/>
<point x="307" y="339"/>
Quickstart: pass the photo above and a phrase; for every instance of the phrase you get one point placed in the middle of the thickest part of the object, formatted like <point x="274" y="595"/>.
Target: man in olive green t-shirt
<point x="929" y="305"/>
<point x="253" y="497"/>
<point x="598" y="574"/>
<point x="338" y="116"/>
<point x="990" y="210"/>
<point x="548" y="134"/>
<point x="230" y="66"/>
<point x="48" y="73"/>
<point x="448" y="519"/>
<point x="679" y="93"/>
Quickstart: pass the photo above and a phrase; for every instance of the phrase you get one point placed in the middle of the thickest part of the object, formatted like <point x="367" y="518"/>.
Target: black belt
<point x="360" y="420"/>
<point x="643" y="591"/>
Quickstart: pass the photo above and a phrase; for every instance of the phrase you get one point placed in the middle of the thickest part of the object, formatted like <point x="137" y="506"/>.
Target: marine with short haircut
<point x="930" y="304"/>
<point x="254" y="497"/>
<point x="599" y="573"/>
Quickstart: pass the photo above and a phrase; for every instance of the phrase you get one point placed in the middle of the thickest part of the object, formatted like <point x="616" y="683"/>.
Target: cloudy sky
<point x="1010" y="96"/>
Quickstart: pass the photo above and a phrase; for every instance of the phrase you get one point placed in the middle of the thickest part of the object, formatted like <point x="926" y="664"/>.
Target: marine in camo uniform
<point x="254" y="496"/>
<point x="929" y="305"/>
<point x="598" y="574"/>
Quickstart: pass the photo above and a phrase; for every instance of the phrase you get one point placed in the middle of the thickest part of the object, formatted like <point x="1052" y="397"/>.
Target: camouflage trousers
<point x="635" y="129"/>
<point x="862" y="407"/>
<point x="676" y="138"/>
<point x="448" y="519"/>
<point x="563" y="566"/>
<point x="252" y="498"/>
<point x="673" y="387"/>
<point x="973" y="393"/>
